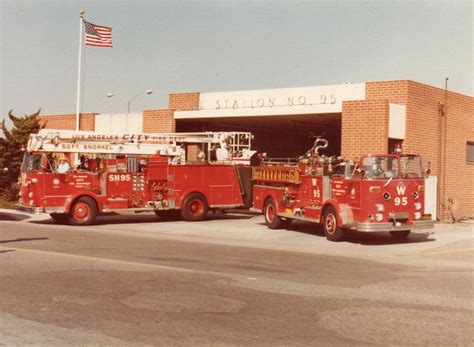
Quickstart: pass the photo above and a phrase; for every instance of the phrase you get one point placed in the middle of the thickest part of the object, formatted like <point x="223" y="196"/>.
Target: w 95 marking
<point x="401" y="200"/>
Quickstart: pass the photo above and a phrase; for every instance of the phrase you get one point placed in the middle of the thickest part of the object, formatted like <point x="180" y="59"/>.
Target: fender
<point x="272" y="194"/>
<point x="82" y="192"/>
<point x="268" y="193"/>
<point x="343" y="211"/>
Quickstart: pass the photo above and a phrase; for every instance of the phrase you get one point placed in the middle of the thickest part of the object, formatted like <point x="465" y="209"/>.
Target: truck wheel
<point x="194" y="207"/>
<point x="61" y="218"/>
<point x="330" y="225"/>
<point x="271" y="217"/>
<point x="83" y="212"/>
<point x="168" y="214"/>
<point x="399" y="234"/>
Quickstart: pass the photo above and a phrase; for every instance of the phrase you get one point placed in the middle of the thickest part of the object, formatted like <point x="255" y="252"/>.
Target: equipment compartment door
<point x="221" y="195"/>
<point x="56" y="188"/>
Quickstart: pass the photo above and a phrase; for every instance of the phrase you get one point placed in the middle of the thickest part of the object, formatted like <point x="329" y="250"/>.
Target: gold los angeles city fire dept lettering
<point x="119" y="178"/>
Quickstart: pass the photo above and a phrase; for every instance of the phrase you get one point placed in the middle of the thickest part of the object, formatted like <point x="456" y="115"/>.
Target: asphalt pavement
<point x="229" y="280"/>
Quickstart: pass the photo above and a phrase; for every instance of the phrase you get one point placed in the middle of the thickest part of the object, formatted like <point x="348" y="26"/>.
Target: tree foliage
<point x="11" y="153"/>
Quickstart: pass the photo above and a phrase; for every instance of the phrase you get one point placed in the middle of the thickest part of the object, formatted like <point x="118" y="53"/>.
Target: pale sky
<point x="210" y="46"/>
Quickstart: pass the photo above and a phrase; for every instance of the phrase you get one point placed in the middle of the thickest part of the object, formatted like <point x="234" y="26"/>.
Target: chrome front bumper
<point x="29" y="209"/>
<point x="382" y="227"/>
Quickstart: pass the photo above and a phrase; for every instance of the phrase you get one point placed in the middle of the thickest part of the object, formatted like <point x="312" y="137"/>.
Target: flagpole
<point x="78" y="99"/>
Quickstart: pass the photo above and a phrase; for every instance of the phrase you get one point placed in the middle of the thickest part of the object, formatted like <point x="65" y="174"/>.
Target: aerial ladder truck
<point x="133" y="173"/>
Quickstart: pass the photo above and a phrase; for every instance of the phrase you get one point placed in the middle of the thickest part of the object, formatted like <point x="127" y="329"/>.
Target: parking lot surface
<point x="230" y="281"/>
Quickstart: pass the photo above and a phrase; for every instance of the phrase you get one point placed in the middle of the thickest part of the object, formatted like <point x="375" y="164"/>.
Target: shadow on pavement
<point x="225" y="216"/>
<point x="380" y="239"/>
<point x="363" y="238"/>
<point x="304" y="228"/>
<point x="7" y="250"/>
<point x="25" y="239"/>
<point x="148" y="218"/>
<point x="13" y="216"/>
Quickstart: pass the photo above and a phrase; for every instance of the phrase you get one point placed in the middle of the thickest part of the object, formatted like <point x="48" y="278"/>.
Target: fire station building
<point x="356" y="118"/>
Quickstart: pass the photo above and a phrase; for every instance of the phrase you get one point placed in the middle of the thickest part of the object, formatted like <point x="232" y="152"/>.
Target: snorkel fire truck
<point x="132" y="173"/>
<point x="379" y="193"/>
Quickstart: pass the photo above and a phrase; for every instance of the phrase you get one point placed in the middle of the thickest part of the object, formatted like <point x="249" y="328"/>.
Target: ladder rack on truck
<point x="131" y="173"/>
<point x="226" y="145"/>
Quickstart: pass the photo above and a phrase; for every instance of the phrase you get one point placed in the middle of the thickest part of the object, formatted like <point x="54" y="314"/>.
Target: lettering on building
<point x="263" y="102"/>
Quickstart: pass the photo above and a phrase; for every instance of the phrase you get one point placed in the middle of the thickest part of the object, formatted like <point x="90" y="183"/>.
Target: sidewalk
<point x="15" y="215"/>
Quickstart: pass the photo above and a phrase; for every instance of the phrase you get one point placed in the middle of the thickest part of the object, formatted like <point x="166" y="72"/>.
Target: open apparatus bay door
<point x="378" y="193"/>
<point x="131" y="173"/>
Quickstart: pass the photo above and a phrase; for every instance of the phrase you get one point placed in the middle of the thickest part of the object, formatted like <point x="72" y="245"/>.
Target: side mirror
<point x="347" y="171"/>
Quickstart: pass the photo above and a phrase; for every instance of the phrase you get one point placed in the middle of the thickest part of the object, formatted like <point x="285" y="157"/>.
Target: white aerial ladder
<point x="228" y="146"/>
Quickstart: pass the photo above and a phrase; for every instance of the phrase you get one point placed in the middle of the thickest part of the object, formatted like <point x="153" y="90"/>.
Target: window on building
<point x="470" y="152"/>
<point x="394" y="143"/>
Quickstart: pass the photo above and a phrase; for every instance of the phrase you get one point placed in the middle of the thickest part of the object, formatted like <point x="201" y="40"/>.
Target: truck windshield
<point x="410" y="166"/>
<point x="380" y="167"/>
<point x="31" y="163"/>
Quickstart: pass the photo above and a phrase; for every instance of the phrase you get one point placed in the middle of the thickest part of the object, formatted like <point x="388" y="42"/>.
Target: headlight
<point x="56" y="181"/>
<point x="386" y="196"/>
<point x="379" y="217"/>
<point x="417" y="215"/>
<point x="34" y="180"/>
<point x="415" y="195"/>
<point x="379" y="207"/>
<point x="30" y="195"/>
<point x="417" y="206"/>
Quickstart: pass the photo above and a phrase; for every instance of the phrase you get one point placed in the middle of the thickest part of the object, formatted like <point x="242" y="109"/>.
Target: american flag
<point x="98" y="35"/>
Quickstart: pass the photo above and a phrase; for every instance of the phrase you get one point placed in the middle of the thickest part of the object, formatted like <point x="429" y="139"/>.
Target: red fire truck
<point x="132" y="173"/>
<point x="378" y="193"/>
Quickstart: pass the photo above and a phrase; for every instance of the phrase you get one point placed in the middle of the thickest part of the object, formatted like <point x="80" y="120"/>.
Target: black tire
<point x="168" y="215"/>
<point x="271" y="218"/>
<point x="399" y="234"/>
<point x="195" y="207"/>
<point x="83" y="211"/>
<point x="331" y="226"/>
<point x="60" y="218"/>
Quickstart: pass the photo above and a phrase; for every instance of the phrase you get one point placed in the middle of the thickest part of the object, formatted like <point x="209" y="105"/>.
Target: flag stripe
<point x="98" y="35"/>
<point x="95" y="39"/>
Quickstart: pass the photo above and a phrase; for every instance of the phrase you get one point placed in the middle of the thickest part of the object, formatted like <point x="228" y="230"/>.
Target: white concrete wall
<point x="396" y="121"/>
<point x="431" y="196"/>
<point x="119" y="123"/>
